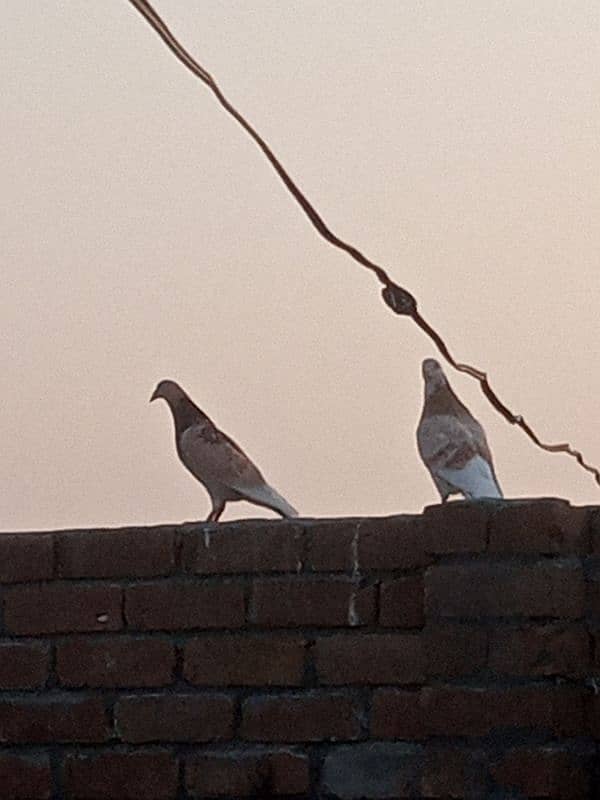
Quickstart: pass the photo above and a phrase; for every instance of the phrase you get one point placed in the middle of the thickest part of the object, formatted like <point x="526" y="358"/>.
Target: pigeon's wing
<point x="452" y="450"/>
<point x="216" y="459"/>
<point x="479" y="440"/>
<point x="438" y="437"/>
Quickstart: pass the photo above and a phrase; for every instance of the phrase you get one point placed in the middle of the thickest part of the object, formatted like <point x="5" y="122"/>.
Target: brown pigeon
<point x="452" y="443"/>
<point x="216" y="460"/>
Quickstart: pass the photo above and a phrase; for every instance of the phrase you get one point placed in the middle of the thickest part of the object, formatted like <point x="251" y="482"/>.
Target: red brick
<point x="593" y="714"/>
<point x="595" y="532"/>
<point x="596" y="650"/>
<point x="174" y="718"/>
<point x="115" y="662"/>
<point x="372" y="770"/>
<point x="401" y="602"/>
<point x="172" y="605"/>
<point x="397" y="714"/>
<point x="245" y="660"/>
<point x="555" y="649"/>
<point x="370" y="659"/>
<point x="454" y="650"/>
<point x="455" y="528"/>
<point x="391" y="543"/>
<point x="546" y="589"/>
<point x="139" y="775"/>
<point x="62" y="608"/>
<point x="293" y="602"/>
<point x="23" y="665"/>
<point x="53" y="719"/>
<point x="25" y="778"/>
<point x="274" y="546"/>
<point x="310" y="717"/>
<point x="457" y="711"/>
<point x="331" y="545"/>
<point x="244" y="773"/>
<point x="26" y="557"/>
<point x="592" y="599"/>
<point x="544" y="772"/>
<point x="539" y="526"/>
<point x="126" y="553"/>
<point x="450" y="772"/>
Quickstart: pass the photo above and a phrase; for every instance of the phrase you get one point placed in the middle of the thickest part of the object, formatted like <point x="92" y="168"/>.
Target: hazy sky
<point x="145" y="237"/>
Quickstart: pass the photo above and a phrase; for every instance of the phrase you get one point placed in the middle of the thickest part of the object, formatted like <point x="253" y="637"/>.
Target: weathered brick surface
<point x="458" y="711"/>
<point x="539" y="526"/>
<point x="289" y="602"/>
<point x="26" y="557"/>
<point x="466" y="711"/>
<point x="595" y="531"/>
<point x="56" y="719"/>
<point x="174" y="718"/>
<point x="116" y="554"/>
<point x="24" y="777"/>
<point x="370" y="659"/>
<point x="454" y="650"/>
<point x="595" y="645"/>
<point x="401" y="602"/>
<point x="244" y="773"/>
<point x="62" y="608"/>
<point x="453" y="772"/>
<point x="116" y="661"/>
<point x="172" y="605"/>
<point x="454" y="654"/>
<point x="378" y="770"/>
<point x="549" y="771"/>
<point x="244" y="547"/>
<point x="391" y="543"/>
<point x="593" y="714"/>
<point x="332" y="545"/>
<point x="551" y="588"/>
<point x="258" y="660"/>
<point x="538" y="650"/>
<point x="593" y="593"/>
<point x="397" y="714"/>
<point x="456" y="528"/>
<point x="23" y="665"/>
<point x="151" y="775"/>
<point x="301" y="718"/>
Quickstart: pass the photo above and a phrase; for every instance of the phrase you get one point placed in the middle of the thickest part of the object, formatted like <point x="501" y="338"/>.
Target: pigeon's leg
<point x="215" y="513"/>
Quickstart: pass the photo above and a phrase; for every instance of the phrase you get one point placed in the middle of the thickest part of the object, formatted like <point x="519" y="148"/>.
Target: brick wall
<point x="452" y="654"/>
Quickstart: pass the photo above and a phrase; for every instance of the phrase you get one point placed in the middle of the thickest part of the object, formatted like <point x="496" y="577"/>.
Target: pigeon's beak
<point x="154" y="395"/>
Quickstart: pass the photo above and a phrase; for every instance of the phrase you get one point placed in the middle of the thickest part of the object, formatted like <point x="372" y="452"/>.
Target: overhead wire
<point x="399" y="299"/>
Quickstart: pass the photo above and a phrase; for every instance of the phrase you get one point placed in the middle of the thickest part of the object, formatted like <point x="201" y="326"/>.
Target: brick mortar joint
<point x="585" y="525"/>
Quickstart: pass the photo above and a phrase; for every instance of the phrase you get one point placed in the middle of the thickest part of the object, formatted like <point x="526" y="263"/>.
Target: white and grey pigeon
<point x="452" y="443"/>
<point x="216" y="460"/>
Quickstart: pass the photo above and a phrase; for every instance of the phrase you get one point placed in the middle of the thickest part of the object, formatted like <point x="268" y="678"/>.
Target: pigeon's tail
<point x="475" y="480"/>
<point x="265" y="495"/>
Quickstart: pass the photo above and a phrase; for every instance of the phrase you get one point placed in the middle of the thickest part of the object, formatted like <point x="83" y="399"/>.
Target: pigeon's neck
<point x="185" y="414"/>
<point x="443" y="401"/>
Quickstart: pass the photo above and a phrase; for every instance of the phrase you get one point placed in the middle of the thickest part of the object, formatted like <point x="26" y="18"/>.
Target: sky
<point x="144" y="236"/>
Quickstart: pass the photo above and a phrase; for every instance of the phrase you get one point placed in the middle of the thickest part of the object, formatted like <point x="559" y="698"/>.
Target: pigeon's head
<point x="168" y="390"/>
<point x="433" y="375"/>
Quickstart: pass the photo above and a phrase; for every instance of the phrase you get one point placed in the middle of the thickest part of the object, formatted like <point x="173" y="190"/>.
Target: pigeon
<point x="452" y="443"/>
<point x="216" y="460"/>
